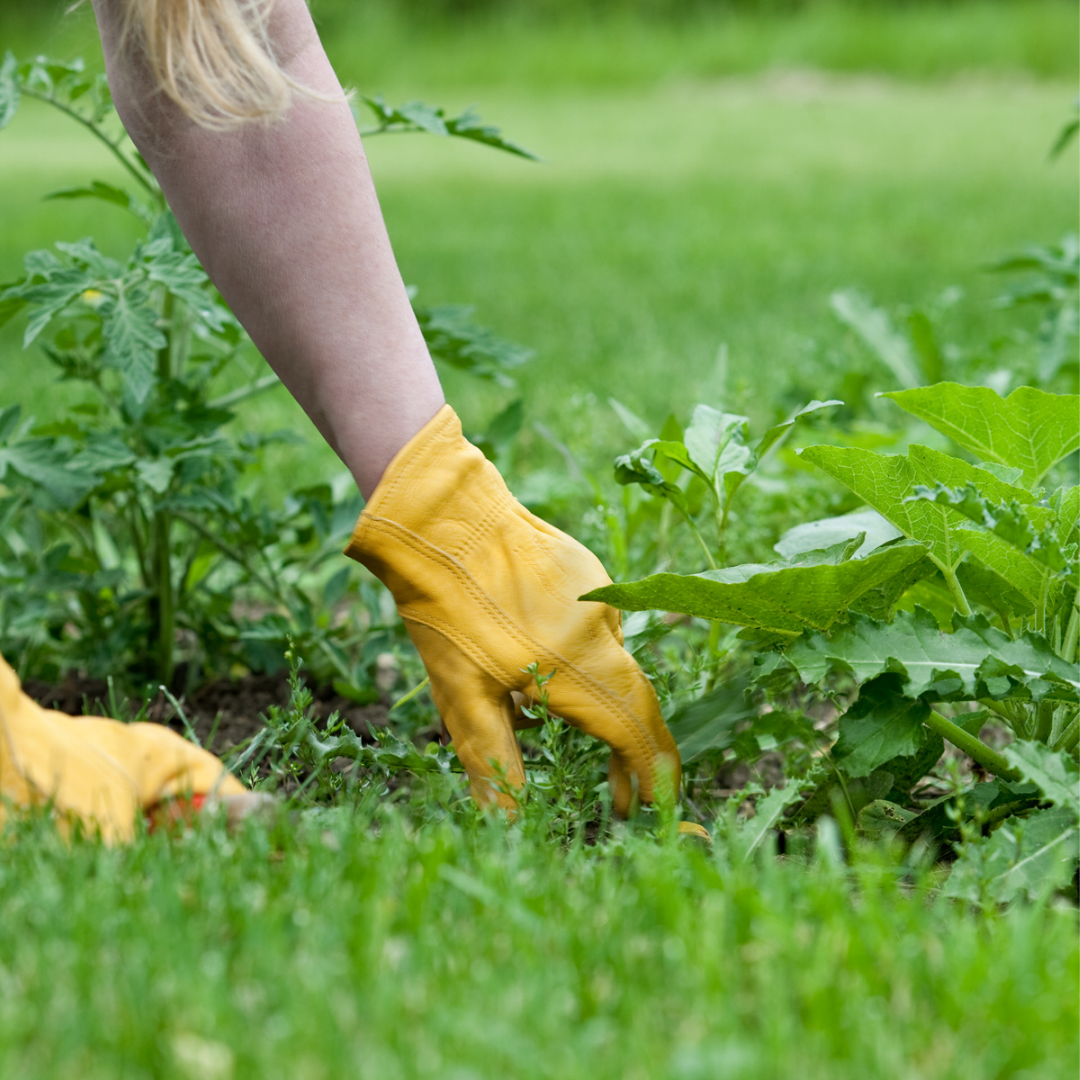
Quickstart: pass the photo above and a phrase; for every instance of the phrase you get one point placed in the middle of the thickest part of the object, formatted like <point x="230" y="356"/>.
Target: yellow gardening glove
<point x="98" y="771"/>
<point x="485" y="589"/>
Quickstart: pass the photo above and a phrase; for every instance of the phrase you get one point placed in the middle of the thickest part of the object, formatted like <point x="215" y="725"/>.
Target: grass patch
<point x="348" y="942"/>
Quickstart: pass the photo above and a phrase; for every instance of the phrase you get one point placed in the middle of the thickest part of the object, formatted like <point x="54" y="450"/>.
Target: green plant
<point x="132" y="521"/>
<point x="949" y="599"/>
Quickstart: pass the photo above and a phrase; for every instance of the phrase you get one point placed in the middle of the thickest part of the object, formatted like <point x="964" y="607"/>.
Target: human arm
<point x="285" y="219"/>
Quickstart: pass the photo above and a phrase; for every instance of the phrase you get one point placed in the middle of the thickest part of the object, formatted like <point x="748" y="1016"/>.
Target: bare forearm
<point x="286" y="221"/>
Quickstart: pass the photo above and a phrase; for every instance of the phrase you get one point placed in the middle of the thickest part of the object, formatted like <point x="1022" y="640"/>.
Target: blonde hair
<point x="212" y="57"/>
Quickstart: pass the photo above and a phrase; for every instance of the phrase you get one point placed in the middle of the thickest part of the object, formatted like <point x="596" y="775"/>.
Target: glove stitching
<point x="523" y="639"/>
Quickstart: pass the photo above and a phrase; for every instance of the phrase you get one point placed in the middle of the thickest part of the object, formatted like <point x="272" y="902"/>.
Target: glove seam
<point x="522" y="637"/>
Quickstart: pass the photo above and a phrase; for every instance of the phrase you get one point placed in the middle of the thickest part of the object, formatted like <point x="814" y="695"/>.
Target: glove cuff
<point x="440" y="484"/>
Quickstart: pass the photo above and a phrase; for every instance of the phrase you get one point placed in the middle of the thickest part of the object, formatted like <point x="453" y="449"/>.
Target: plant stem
<point x="166" y="614"/>
<point x="164" y="356"/>
<point x="975" y="748"/>
<point x="957" y="591"/>
<point x="94" y="130"/>
<point x="1072" y="634"/>
<point x="267" y="382"/>
<point x="236" y="555"/>
<point x="701" y="540"/>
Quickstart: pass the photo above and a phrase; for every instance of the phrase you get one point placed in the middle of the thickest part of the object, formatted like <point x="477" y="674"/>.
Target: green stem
<point x="957" y="591"/>
<point x="1072" y="634"/>
<point x="235" y="554"/>
<point x="164" y="356"/>
<point x="1069" y="737"/>
<point x="166" y="613"/>
<point x="701" y="540"/>
<point x="267" y="382"/>
<point x="975" y="748"/>
<point x="114" y="147"/>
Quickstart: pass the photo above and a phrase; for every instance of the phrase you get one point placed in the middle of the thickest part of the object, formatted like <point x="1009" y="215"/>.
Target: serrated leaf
<point x="976" y="660"/>
<point x="452" y="338"/>
<point x="47" y="298"/>
<point x="880" y="726"/>
<point x="781" y="597"/>
<point x="1054" y="773"/>
<point x="1029" y="430"/>
<point x="1026" y="856"/>
<point x="85" y="251"/>
<point x="97" y="189"/>
<point x="1008" y="521"/>
<point x="40" y="462"/>
<point x="886" y="483"/>
<point x="132" y="340"/>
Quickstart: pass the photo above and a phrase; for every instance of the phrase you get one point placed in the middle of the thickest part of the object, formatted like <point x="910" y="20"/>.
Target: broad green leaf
<point x="1017" y="568"/>
<point x="1029" y="430"/>
<point x="880" y="726"/>
<point x="983" y="586"/>
<point x="1009" y="521"/>
<point x="1026" y="856"/>
<point x="1055" y="773"/>
<point x="887" y="482"/>
<point x="939" y="817"/>
<point x="976" y="660"/>
<point x="884" y="482"/>
<point x="876" y="329"/>
<point x="880" y="602"/>
<point x="781" y="597"/>
<point x="1065" y="504"/>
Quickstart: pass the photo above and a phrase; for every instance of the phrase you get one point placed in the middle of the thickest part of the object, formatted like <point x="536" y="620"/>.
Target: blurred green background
<point x="711" y="172"/>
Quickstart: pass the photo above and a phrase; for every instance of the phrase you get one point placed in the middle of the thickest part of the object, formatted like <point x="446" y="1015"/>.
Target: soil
<point x="230" y="710"/>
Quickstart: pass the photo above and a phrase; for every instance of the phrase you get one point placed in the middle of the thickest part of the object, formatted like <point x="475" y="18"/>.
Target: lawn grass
<point x="353" y="944"/>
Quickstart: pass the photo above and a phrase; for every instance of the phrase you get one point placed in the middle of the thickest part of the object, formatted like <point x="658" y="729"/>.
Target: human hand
<point x="101" y="772"/>
<point x="486" y="589"/>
